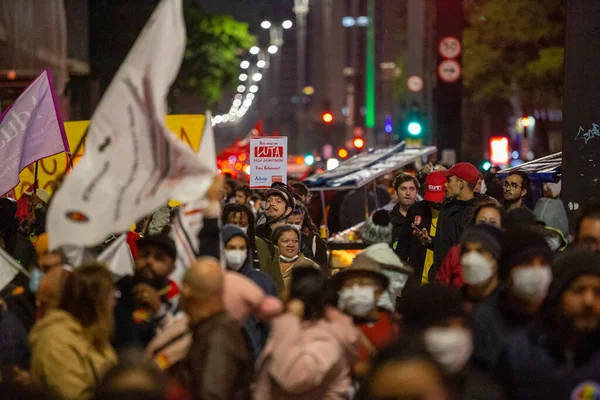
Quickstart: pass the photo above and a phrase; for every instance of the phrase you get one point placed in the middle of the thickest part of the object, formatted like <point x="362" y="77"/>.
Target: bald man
<point x="219" y="363"/>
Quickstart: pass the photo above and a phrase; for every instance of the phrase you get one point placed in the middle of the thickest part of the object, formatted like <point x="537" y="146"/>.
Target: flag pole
<point x="79" y="145"/>
<point x="35" y="176"/>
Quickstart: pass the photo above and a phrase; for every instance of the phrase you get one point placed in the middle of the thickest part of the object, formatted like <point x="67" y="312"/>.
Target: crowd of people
<point x="458" y="294"/>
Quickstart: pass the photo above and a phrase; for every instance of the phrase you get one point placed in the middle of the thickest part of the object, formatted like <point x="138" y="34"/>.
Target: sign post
<point x="268" y="161"/>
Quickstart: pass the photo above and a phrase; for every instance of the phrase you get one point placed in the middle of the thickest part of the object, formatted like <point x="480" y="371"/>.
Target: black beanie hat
<point x="489" y="236"/>
<point x="568" y="267"/>
<point x="429" y="305"/>
<point x="521" y="245"/>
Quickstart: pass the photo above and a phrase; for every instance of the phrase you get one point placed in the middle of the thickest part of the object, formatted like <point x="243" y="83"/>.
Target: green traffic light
<point x="414" y="128"/>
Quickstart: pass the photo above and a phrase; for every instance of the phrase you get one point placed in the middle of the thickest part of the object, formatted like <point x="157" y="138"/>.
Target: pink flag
<point x="30" y="129"/>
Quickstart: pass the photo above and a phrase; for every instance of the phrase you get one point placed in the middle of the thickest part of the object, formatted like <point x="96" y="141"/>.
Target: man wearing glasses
<point x="515" y="188"/>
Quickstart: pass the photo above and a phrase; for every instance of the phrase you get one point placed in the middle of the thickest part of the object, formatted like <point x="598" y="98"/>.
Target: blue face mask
<point x="34" y="280"/>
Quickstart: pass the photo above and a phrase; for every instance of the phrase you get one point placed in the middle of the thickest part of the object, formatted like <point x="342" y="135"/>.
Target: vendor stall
<point x="356" y="173"/>
<point x="545" y="169"/>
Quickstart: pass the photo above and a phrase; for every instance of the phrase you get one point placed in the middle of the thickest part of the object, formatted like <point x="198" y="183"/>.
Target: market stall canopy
<point x="545" y="169"/>
<point x="363" y="168"/>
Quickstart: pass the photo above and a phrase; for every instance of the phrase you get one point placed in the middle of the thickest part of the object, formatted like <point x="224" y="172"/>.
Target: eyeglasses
<point x="512" y="185"/>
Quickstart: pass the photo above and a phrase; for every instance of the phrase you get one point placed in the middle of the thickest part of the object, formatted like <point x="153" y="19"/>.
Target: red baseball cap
<point x="465" y="171"/>
<point x="435" y="187"/>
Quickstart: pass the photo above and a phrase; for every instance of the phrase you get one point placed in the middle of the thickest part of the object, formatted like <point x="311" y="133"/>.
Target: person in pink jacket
<point x="312" y="346"/>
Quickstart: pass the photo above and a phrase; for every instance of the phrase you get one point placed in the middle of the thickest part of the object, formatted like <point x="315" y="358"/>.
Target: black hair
<point x="132" y="362"/>
<point x="591" y="210"/>
<point x="408" y="348"/>
<point x="307" y="221"/>
<point x="300" y="188"/>
<point x="403" y="178"/>
<point x="245" y="189"/>
<point x="492" y="203"/>
<point x="311" y="286"/>
<point x="525" y="178"/>
<point x="233" y="208"/>
<point x="280" y="230"/>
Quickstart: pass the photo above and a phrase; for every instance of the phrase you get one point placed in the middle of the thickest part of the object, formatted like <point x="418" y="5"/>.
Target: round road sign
<point x="414" y="83"/>
<point x="449" y="71"/>
<point x="449" y="47"/>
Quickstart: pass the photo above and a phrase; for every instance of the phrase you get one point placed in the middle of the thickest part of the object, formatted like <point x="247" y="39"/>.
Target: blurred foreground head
<point x="405" y="371"/>
<point x="134" y="378"/>
<point x="202" y="291"/>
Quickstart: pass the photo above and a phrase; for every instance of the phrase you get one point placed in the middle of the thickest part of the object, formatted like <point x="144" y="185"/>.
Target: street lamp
<point x="245" y="64"/>
<point x="265" y="24"/>
<point x="261" y="64"/>
<point x="272" y="49"/>
<point x="287" y="24"/>
<point x="243" y="77"/>
<point x="254" y="50"/>
<point x="257" y="77"/>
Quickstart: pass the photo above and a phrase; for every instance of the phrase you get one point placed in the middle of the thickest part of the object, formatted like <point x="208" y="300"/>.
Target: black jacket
<point x="408" y="247"/>
<point x="534" y="365"/>
<point x="492" y="321"/>
<point x="452" y="221"/>
<point x="397" y="221"/>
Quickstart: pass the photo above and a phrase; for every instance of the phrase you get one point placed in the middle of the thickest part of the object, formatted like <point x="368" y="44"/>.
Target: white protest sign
<point x="268" y="161"/>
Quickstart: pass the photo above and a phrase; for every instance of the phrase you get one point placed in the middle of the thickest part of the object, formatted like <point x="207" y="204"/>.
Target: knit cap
<point x="430" y="305"/>
<point x="521" y="245"/>
<point x="377" y="229"/>
<point x="569" y="266"/>
<point x="489" y="236"/>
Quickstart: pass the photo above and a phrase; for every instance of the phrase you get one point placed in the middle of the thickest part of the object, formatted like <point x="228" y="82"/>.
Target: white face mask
<point x="476" y="268"/>
<point x="554" y="242"/>
<point x="288" y="259"/>
<point x="235" y="259"/>
<point x="298" y="227"/>
<point x="243" y="229"/>
<point x="530" y="284"/>
<point x="358" y="301"/>
<point x="397" y="283"/>
<point x="451" y="347"/>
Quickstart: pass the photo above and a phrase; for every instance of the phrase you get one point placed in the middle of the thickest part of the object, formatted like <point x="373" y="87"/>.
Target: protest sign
<point x="31" y="129"/>
<point x="268" y="161"/>
<point x="187" y="127"/>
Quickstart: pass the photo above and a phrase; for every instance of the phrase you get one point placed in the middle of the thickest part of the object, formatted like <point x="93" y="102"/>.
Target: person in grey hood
<point x="237" y="258"/>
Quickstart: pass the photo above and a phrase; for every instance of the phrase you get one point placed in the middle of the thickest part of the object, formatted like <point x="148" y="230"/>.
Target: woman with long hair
<point x="311" y="348"/>
<point x="70" y="346"/>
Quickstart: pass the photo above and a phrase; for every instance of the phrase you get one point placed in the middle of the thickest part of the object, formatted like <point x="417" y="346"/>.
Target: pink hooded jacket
<point x="308" y="359"/>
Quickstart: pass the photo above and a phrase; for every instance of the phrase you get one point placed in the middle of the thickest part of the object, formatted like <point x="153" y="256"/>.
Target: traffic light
<point x="342" y="153"/>
<point x="414" y="121"/>
<point x="358" y="143"/>
<point x="499" y="150"/>
<point x="327" y="117"/>
<point x="309" y="159"/>
<point x="525" y="121"/>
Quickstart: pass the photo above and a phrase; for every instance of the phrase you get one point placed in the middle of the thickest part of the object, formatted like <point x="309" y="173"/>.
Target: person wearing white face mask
<point x="288" y="239"/>
<point x="525" y="267"/>
<point x="359" y="288"/>
<point x="237" y="258"/>
<point x="480" y="252"/>
<point x="435" y="313"/>
<point x="312" y="246"/>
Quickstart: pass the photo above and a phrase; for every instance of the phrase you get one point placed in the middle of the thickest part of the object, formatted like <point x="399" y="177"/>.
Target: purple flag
<point x="30" y="129"/>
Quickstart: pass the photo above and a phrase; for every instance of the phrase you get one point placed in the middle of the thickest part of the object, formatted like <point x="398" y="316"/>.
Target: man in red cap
<point x="414" y="244"/>
<point x="454" y="214"/>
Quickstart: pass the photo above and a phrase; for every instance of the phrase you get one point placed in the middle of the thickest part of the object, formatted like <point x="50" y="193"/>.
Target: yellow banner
<point x="188" y="128"/>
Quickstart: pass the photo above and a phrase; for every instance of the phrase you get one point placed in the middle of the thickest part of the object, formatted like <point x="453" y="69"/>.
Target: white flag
<point x="9" y="268"/>
<point x="132" y="164"/>
<point x="189" y="219"/>
<point x="117" y="257"/>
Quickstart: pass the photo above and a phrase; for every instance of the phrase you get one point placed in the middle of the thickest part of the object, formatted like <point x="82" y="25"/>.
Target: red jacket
<point x="450" y="272"/>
